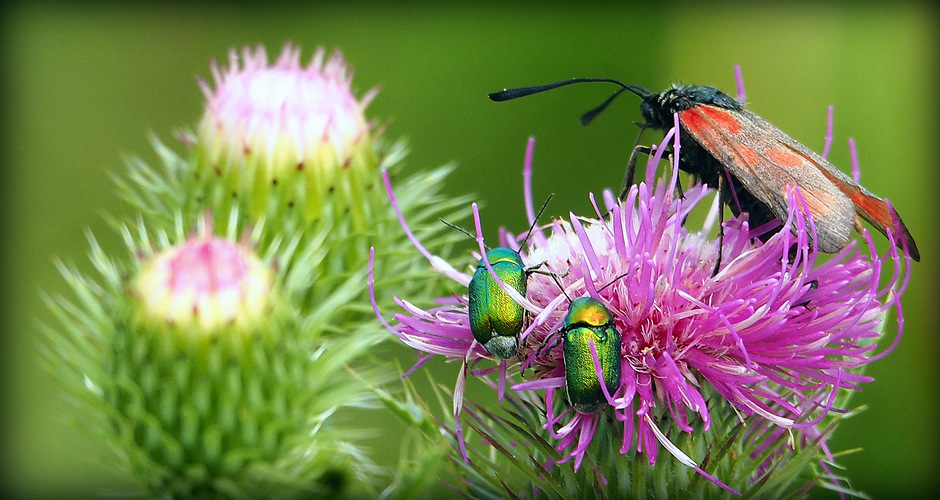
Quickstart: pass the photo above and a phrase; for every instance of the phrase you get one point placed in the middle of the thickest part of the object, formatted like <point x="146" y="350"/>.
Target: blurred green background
<point x="84" y="85"/>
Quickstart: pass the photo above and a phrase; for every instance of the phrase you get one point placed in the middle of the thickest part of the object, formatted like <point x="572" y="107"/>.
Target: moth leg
<point x="721" y="222"/>
<point x="628" y="178"/>
<point x="631" y="165"/>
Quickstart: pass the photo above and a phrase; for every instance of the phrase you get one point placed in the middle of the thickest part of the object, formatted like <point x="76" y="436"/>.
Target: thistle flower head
<point x="775" y="333"/>
<point x="288" y="134"/>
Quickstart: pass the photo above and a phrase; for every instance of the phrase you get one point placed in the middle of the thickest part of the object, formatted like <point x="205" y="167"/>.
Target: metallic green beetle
<point x="588" y="319"/>
<point x="496" y="320"/>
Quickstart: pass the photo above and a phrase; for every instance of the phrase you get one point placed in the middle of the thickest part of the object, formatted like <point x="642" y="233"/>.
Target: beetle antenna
<point x="462" y="230"/>
<point x="542" y="347"/>
<point x="536" y="220"/>
<point x="558" y="284"/>
<point x="612" y="282"/>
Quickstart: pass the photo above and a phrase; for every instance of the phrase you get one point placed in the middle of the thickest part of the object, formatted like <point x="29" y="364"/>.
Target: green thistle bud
<point x="288" y="137"/>
<point x="206" y="376"/>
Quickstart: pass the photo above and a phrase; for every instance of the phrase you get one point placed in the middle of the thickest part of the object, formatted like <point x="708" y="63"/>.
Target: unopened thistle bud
<point x="288" y="137"/>
<point x="205" y="374"/>
<point x="203" y="286"/>
<point x="284" y="151"/>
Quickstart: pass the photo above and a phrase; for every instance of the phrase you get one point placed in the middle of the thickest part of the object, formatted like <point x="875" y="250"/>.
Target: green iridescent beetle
<point x="587" y="320"/>
<point x="496" y="320"/>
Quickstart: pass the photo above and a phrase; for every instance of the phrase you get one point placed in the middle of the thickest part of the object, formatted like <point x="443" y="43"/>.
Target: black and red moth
<point x="752" y="162"/>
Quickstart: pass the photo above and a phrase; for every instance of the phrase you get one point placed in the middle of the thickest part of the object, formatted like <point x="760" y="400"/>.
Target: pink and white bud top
<point x="288" y="135"/>
<point x="285" y="113"/>
<point x="205" y="284"/>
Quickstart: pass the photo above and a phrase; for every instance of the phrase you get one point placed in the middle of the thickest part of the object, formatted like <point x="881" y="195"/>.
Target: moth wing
<point x="766" y="161"/>
<point x="869" y="206"/>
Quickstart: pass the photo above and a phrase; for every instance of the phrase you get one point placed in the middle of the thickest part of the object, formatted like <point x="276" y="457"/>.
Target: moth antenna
<point x="509" y="94"/>
<point x="586" y="118"/>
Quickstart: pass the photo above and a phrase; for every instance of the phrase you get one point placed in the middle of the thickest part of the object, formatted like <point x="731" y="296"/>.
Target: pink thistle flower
<point x="776" y="332"/>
